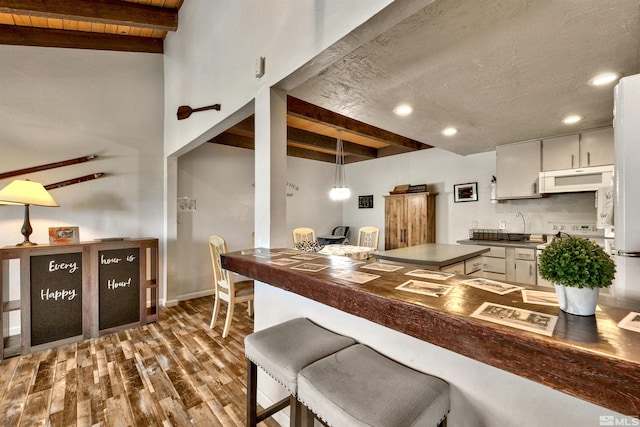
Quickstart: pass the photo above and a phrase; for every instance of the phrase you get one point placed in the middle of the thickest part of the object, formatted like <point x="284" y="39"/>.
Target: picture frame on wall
<point x="365" y="202"/>
<point x="465" y="192"/>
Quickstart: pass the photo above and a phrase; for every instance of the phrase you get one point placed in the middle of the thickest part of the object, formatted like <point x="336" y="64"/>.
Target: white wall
<point x="221" y="178"/>
<point x="58" y="104"/>
<point x="211" y="58"/>
<point x="441" y="170"/>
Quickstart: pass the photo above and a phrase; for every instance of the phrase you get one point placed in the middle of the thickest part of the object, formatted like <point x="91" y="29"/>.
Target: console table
<point x="67" y="293"/>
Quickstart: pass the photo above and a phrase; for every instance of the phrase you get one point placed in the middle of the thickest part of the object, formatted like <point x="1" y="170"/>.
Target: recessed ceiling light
<point x="569" y="120"/>
<point x="604" y="79"/>
<point x="403" y="110"/>
<point x="449" y="131"/>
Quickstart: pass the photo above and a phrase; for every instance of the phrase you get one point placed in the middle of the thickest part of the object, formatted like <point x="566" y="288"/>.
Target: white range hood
<point x="575" y="180"/>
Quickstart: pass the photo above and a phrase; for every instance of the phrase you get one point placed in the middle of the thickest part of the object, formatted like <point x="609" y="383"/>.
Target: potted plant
<point x="578" y="269"/>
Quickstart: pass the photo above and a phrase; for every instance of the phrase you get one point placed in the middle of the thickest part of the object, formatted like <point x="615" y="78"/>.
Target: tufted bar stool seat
<point x="282" y="351"/>
<point x="359" y="387"/>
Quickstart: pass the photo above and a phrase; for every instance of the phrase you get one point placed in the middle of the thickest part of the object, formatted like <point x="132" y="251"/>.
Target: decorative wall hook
<point x="184" y="111"/>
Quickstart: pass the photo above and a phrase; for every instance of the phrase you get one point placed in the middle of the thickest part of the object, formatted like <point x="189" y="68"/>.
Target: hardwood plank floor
<point x="176" y="372"/>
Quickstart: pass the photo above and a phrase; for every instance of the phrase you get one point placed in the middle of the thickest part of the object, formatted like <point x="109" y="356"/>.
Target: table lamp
<point x="25" y="192"/>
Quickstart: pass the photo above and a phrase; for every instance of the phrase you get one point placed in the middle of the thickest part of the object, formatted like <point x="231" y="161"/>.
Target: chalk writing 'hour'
<point x="115" y="260"/>
<point x="72" y="267"/>
<point x="113" y="284"/>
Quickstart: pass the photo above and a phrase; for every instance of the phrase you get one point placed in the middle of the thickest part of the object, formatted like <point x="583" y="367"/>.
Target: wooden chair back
<point x="222" y="279"/>
<point x="303" y="234"/>
<point x="225" y="288"/>
<point x="369" y="236"/>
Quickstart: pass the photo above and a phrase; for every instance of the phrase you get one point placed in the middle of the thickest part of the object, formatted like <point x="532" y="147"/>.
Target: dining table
<point x="349" y="251"/>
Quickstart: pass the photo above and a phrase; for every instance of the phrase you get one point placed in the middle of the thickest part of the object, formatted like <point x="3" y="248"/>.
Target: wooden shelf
<point x="10" y="306"/>
<point x="12" y="345"/>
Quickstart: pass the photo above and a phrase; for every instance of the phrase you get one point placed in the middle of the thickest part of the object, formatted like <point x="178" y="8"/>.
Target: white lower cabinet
<point x="473" y="265"/>
<point x="457" y="268"/>
<point x="511" y="264"/>
<point x="524" y="266"/>
<point x="493" y="264"/>
<point x="470" y="267"/>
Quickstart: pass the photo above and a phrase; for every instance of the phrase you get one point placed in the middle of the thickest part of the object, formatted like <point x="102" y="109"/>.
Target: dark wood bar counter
<point x="591" y="358"/>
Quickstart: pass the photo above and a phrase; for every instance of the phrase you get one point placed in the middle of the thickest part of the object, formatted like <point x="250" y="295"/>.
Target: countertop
<point x="587" y="357"/>
<point x="501" y="243"/>
<point x="431" y="254"/>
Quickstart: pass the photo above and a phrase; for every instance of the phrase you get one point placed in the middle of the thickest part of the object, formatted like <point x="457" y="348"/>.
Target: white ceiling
<point x="500" y="71"/>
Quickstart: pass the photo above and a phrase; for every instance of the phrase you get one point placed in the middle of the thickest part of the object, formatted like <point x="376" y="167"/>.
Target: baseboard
<point x="185" y="297"/>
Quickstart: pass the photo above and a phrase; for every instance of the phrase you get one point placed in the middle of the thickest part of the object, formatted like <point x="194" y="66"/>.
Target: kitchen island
<point x="525" y="244"/>
<point x="431" y="255"/>
<point x="588" y="367"/>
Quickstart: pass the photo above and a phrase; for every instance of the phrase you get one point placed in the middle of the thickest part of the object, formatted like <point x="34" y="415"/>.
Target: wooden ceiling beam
<point x="115" y="12"/>
<point x="29" y="36"/>
<point x="234" y="140"/>
<point x="321" y="141"/>
<point x="311" y="139"/>
<point x="300" y="108"/>
<point x="310" y="155"/>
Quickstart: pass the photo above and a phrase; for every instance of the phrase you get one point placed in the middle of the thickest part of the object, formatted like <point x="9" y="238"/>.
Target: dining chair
<point x="303" y="234"/>
<point x="225" y="288"/>
<point x="369" y="236"/>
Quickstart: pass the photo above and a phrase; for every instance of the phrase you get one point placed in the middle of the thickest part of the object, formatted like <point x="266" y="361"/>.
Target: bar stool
<point x="359" y="387"/>
<point x="282" y="351"/>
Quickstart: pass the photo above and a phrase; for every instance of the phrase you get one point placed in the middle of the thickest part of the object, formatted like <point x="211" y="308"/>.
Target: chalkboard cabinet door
<point x="119" y="287"/>
<point x="56" y="297"/>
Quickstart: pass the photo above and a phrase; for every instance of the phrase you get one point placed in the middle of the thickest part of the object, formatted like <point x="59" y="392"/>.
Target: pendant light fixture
<point x="340" y="191"/>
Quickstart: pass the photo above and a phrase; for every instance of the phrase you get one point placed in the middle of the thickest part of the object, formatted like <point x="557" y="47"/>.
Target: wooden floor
<point x="176" y="372"/>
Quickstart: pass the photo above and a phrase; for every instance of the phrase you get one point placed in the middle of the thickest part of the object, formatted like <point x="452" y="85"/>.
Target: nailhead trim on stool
<point x="282" y="351"/>
<point x="359" y="387"/>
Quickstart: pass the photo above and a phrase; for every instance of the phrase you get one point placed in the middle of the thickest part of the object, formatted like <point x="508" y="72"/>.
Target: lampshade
<point x="340" y="191"/>
<point x="25" y="192"/>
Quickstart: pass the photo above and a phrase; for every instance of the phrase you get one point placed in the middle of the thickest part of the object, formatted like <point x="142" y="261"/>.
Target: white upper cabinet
<point x="518" y="170"/>
<point x="594" y="148"/>
<point x="560" y="153"/>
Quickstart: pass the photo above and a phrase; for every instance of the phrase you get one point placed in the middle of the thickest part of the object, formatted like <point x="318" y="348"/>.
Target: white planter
<point x="579" y="301"/>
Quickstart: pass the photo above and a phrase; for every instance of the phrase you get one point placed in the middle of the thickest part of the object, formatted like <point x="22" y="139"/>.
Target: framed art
<point x="365" y="202"/>
<point x="465" y="192"/>
<point x="62" y="235"/>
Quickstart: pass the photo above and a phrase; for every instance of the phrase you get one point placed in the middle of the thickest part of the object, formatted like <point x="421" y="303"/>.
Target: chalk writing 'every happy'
<point x="71" y="267"/>
<point x="67" y="294"/>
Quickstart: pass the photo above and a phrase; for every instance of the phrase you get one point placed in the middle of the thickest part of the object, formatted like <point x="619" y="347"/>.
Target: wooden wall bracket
<point x="184" y="111"/>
